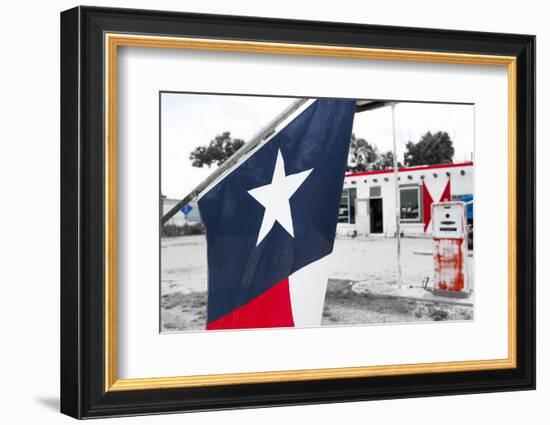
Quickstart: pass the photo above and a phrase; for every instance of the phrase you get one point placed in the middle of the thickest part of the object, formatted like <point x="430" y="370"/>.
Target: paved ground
<point x="183" y="264"/>
<point x="362" y="287"/>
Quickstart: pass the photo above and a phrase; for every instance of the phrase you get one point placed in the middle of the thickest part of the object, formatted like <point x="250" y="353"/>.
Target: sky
<point x="191" y="120"/>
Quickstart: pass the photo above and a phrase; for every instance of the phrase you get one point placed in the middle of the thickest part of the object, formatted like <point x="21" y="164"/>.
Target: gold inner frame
<point x="113" y="41"/>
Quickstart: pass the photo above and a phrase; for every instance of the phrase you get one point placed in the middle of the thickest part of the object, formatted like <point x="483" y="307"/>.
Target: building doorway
<point x="376" y="216"/>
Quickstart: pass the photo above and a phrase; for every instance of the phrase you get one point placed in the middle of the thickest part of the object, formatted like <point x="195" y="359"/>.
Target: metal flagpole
<point x="246" y="148"/>
<point x="397" y="211"/>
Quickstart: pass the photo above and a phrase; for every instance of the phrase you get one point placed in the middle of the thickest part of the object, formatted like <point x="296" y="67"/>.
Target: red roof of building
<point x="422" y="167"/>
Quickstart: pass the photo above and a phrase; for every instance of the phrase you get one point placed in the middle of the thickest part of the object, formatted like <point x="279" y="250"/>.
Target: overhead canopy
<point x="369" y="105"/>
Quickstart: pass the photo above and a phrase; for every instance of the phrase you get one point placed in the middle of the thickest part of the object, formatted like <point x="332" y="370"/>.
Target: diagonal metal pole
<point x="397" y="212"/>
<point x="246" y="148"/>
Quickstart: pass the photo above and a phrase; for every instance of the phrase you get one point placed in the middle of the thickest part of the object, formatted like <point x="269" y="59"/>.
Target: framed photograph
<point x="261" y="212"/>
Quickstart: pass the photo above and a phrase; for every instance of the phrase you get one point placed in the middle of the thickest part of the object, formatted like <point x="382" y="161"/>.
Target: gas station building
<point x="368" y="201"/>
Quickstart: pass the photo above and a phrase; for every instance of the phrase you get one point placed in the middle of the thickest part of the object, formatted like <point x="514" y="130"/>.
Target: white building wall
<point x="435" y="178"/>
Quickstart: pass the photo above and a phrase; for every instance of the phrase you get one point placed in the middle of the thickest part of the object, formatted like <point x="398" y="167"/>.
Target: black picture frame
<point x="83" y="392"/>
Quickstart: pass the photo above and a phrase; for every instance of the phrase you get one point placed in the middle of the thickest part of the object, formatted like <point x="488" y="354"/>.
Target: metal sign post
<point x="397" y="209"/>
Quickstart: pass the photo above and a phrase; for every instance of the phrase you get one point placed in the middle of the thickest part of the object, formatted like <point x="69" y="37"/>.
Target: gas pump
<point x="450" y="249"/>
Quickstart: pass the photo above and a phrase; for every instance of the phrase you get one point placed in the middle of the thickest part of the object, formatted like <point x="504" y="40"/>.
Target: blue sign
<point x="469" y="201"/>
<point x="186" y="209"/>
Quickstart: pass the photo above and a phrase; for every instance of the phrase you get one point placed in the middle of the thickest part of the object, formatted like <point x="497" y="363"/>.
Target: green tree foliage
<point x="216" y="152"/>
<point x="431" y="149"/>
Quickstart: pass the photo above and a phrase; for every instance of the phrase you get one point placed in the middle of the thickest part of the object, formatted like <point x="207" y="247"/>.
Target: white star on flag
<point x="275" y="198"/>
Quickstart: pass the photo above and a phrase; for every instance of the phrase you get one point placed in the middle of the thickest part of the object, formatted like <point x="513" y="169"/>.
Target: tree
<point x="216" y="152"/>
<point x="385" y="161"/>
<point x="365" y="157"/>
<point x="362" y="155"/>
<point x="431" y="149"/>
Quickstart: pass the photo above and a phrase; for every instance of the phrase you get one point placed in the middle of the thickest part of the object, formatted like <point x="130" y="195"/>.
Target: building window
<point x="409" y="202"/>
<point x="346" y="213"/>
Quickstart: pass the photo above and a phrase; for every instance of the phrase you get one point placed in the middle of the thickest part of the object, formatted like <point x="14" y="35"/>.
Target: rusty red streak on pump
<point x="449" y="274"/>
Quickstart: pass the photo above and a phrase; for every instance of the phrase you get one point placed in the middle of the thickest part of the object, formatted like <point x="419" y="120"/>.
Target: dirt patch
<point x="183" y="312"/>
<point x="187" y="311"/>
<point x="346" y="307"/>
<point x="444" y="312"/>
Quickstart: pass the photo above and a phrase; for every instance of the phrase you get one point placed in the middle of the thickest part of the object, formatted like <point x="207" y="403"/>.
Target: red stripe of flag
<point x="272" y="309"/>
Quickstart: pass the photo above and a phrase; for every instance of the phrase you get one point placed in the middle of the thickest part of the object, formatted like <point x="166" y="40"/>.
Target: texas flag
<point x="271" y="222"/>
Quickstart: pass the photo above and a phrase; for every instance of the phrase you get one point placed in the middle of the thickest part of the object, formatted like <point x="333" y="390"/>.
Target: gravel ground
<point x="184" y="284"/>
